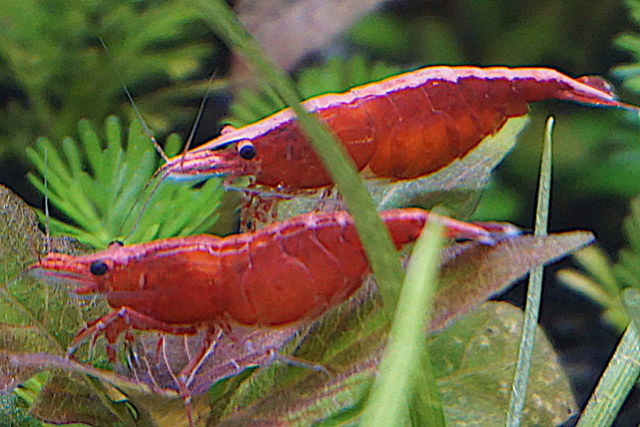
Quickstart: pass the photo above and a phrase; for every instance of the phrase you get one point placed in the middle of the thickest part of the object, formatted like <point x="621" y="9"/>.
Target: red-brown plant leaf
<point x="477" y="272"/>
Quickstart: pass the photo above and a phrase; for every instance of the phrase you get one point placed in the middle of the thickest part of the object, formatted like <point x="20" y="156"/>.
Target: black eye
<point x="246" y="150"/>
<point x="98" y="268"/>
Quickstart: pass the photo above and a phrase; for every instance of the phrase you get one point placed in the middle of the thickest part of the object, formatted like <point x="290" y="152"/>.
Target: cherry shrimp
<point x="403" y="127"/>
<point x="287" y="273"/>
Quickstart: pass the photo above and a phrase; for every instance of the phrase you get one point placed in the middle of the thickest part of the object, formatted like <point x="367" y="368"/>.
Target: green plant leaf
<point x="476" y="360"/>
<point x="470" y="371"/>
<point x="37" y="318"/>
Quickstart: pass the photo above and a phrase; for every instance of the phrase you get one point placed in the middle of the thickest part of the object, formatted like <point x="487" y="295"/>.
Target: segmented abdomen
<point x="299" y="269"/>
<point x="289" y="271"/>
<point x="427" y="119"/>
<point x="416" y="123"/>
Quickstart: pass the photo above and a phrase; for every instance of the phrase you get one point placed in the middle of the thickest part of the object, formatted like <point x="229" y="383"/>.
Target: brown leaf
<point x="477" y="272"/>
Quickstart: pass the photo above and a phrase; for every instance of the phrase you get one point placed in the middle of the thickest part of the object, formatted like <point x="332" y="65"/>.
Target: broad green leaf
<point x="475" y="360"/>
<point x="67" y="399"/>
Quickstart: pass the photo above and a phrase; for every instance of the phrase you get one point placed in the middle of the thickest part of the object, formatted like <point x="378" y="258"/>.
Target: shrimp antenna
<point x="144" y="205"/>
<point x="186" y="148"/>
<point x="135" y="107"/>
<point x="268" y="193"/>
<point x="196" y="122"/>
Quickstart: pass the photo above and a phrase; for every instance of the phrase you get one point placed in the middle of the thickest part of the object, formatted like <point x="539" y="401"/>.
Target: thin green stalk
<point x="375" y="238"/>
<point x="616" y="383"/>
<point x="405" y="369"/>
<point x="534" y="291"/>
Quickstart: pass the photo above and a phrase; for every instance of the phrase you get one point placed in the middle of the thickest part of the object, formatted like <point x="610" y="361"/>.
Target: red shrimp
<point x="402" y="127"/>
<point x="289" y="272"/>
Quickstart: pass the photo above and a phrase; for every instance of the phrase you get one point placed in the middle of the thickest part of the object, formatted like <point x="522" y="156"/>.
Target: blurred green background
<point x="54" y="72"/>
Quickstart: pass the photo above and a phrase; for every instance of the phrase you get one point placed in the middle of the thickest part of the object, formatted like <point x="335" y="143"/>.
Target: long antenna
<point x="135" y="107"/>
<point x="144" y="206"/>
<point x="196" y="122"/>
<point x="149" y="134"/>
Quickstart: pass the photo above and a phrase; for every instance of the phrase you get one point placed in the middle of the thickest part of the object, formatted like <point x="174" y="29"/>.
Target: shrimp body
<point x="287" y="272"/>
<point x="402" y="127"/>
<point x="282" y="274"/>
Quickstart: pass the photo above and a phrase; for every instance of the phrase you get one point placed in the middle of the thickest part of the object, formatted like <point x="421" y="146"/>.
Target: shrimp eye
<point x="98" y="268"/>
<point x="246" y="150"/>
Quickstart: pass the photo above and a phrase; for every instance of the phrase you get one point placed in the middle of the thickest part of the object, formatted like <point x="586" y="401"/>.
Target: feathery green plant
<point x="112" y="199"/>
<point x="604" y="280"/>
<point x="616" y="288"/>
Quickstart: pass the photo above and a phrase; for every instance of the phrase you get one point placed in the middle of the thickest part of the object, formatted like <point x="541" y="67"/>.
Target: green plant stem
<point x="616" y="383"/>
<point x="375" y="238"/>
<point x="406" y="359"/>
<point x="534" y="291"/>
